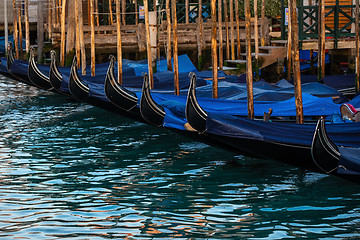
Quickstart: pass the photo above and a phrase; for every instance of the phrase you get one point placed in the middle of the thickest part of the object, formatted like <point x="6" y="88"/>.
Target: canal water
<point x="72" y="171"/>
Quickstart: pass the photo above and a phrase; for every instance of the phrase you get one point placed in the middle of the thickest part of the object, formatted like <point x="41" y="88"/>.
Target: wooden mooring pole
<point x="263" y="23"/>
<point x="6" y="25"/>
<point x="226" y="18"/>
<point x="249" y="72"/>
<point x="357" y="39"/>
<point x="168" y="36"/>
<point x="63" y="34"/>
<point x="148" y="44"/>
<point x="77" y="34"/>
<point x="20" y="31"/>
<point x="40" y="30"/>
<point x="321" y="41"/>
<point x="92" y="26"/>
<point x="220" y="26"/>
<point x="82" y="43"/>
<point x="289" y="44"/>
<point x="27" y="27"/>
<point x="176" y="61"/>
<point x="214" y="49"/>
<point x="111" y="18"/>
<point x="256" y="36"/>
<point x="232" y="37"/>
<point x="119" y="49"/>
<point x="15" y="30"/>
<point x="296" y="64"/>
<point x="238" y="29"/>
<point x="200" y="35"/>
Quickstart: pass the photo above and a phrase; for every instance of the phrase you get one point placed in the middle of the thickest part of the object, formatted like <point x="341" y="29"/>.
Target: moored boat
<point x="38" y="78"/>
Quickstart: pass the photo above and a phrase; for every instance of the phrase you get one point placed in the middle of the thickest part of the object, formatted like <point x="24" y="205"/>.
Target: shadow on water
<point x="69" y="170"/>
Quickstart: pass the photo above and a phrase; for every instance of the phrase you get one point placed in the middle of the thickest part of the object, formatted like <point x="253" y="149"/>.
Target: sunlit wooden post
<point x="186" y="11"/>
<point x="214" y="49"/>
<point x="82" y="43"/>
<point x="263" y="23"/>
<point x="296" y="64"/>
<point x="256" y="36"/>
<point x="289" y="44"/>
<point x="237" y="28"/>
<point x="15" y="30"/>
<point x="77" y="34"/>
<point x="249" y="72"/>
<point x="63" y="34"/>
<point x="6" y="25"/>
<point x="321" y="42"/>
<point x="50" y="19"/>
<point x="232" y="37"/>
<point x="136" y="13"/>
<point x="119" y="49"/>
<point x="176" y="62"/>
<point x="357" y="38"/>
<point x="123" y="10"/>
<point x="148" y="44"/>
<point x="27" y="27"/>
<point x="70" y="24"/>
<point x="168" y="36"/>
<point x="40" y="30"/>
<point x="20" y="31"/>
<point x="226" y="18"/>
<point x="96" y="9"/>
<point x="92" y="26"/>
<point x="220" y="26"/>
<point x="200" y="35"/>
<point x="111" y="19"/>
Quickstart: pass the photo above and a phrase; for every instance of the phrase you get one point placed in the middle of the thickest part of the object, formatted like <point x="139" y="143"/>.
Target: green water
<point x="72" y="171"/>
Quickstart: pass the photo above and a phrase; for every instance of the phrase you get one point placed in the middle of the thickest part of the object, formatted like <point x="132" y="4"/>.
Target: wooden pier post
<point x="70" y="33"/>
<point x="186" y="11"/>
<point x="50" y="19"/>
<point x="176" y="61"/>
<point x="92" y="26"/>
<point x="148" y="44"/>
<point x="82" y="43"/>
<point x="214" y="49"/>
<point x="200" y="35"/>
<point x="232" y="37"/>
<point x="63" y="34"/>
<point x="249" y="72"/>
<point x="226" y="18"/>
<point x="263" y="23"/>
<point x="153" y="37"/>
<point x="119" y="49"/>
<point x="220" y="26"/>
<point x="96" y="8"/>
<point x="321" y="42"/>
<point x="111" y="19"/>
<point x="6" y="25"/>
<point x="357" y="39"/>
<point x="15" y="30"/>
<point x="27" y="27"/>
<point x="77" y="34"/>
<point x="289" y="44"/>
<point x="168" y="36"/>
<point x="237" y="29"/>
<point x="296" y="64"/>
<point x="256" y="36"/>
<point x="123" y="10"/>
<point x="40" y="31"/>
<point x="20" y="31"/>
<point x="136" y="13"/>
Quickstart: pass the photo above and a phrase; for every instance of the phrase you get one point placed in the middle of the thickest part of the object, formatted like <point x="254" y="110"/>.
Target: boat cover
<point x="345" y="134"/>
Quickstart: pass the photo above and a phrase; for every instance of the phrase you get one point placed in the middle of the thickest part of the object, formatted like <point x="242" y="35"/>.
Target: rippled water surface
<point x="69" y="170"/>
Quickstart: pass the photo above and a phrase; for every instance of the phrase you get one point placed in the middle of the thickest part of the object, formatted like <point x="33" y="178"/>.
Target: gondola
<point x="78" y="88"/>
<point x="117" y="94"/>
<point x="195" y="115"/>
<point x="35" y="75"/>
<point x="324" y="152"/>
<point x="332" y="158"/>
<point x="10" y="58"/>
<point x="149" y="109"/>
<point x="55" y="77"/>
<point x="16" y="68"/>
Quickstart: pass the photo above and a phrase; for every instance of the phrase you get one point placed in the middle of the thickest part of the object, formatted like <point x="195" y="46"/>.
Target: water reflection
<point x="68" y="170"/>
